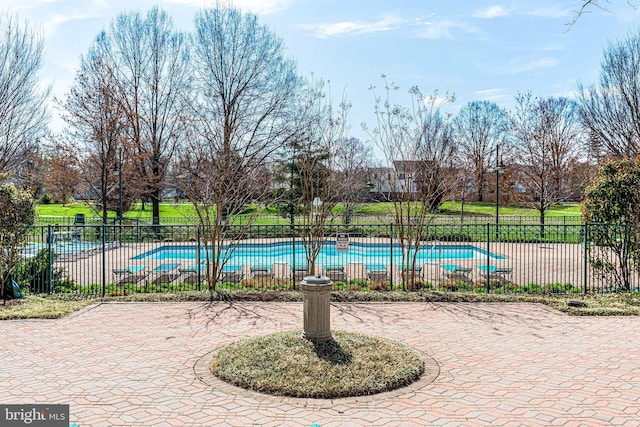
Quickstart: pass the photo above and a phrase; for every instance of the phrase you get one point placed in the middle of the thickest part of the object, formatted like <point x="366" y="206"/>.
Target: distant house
<point x="381" y="183"/>
<point x="403" y="180"/>
<point x="171" y="192"/>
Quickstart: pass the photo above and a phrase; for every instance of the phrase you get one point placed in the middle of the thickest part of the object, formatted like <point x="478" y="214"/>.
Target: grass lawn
<point x="66" y="210"/>
<point x="185" y="210"/>
<point x="166" y="210"/>
<point x="485" y="208"/>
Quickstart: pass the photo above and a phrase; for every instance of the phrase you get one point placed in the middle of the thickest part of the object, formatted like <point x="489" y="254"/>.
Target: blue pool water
<point x="283" y="252"/>
<point x="61" y="248"/>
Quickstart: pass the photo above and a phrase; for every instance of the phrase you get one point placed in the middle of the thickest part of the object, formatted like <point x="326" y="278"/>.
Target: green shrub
<point x="463" y="286"/>
<point x="36" y="273"/>
<point x="533" y="288"/>
<point x="558" y="288"/>
<point x="338" y="284"/>
<point x="358" y="282"/>
<point x="46" y="199"/>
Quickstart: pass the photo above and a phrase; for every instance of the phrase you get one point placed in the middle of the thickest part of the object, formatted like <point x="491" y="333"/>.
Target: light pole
<point x="120" y="185"/>
<point x="499" y="170"/>
<point x="292" y="216"/>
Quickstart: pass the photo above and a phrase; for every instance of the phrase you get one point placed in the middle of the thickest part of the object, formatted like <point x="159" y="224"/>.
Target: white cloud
<point x="533" y="65"/>
<point x="492" y="12"/>
<point x="550" y="12"/>
<point x="495" y="95"/>
<point x="23" y="4"/>
<point x="51" y="25"/>
<point x="497" y="11"/>
<point x="425" y="27"/>
<point x="571" y="94"/>
<point x="352" y="27"/>
<point x="443" y="29"/>
<point x="259" y="7"/>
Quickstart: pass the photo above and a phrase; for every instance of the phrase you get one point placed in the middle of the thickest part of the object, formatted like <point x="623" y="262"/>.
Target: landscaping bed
<point x="58" y="305"/>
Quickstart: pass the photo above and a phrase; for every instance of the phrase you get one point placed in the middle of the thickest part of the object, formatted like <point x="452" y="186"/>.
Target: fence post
<point x="293" y="255"/>
<point x="198" y="262"/>
<point x="50" y="253"/>
<point x="488" y="231"/>
<point x="104" y="259"/>
<point x="391" y="258"/>
<point x="585" y="239"/>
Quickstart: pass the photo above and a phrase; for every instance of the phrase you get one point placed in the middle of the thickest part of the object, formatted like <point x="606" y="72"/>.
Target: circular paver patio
<point x="137" y="364"/>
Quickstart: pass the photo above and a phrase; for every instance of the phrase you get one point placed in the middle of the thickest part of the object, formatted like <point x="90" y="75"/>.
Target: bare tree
<point x="610" y="111"/>
<point x="324" y="126"/>
<point x="464" y="188"/>
<point x="149" y="63"/>
<point x="245" y="87"/>
<point x="352" y="161"/>
<point x="60" y="172"/>
<point x="96" y="123"/>
<point x="31" y="172"/>
<point x="548" y="139"/>
<point x="585" y="6"/>
<point x="23" y="114"/>
<point x="50" y="173"/>
<point x="478" y="129"/>
<point x="419" y="150"/>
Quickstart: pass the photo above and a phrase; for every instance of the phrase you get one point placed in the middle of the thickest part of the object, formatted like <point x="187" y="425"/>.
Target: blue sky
<point x="475" y="49"/>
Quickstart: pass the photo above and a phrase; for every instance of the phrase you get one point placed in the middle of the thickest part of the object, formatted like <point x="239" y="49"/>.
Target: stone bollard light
<point x="316" y="295"/>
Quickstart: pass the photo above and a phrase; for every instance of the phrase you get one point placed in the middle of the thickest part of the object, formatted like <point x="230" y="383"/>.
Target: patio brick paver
<point x="140" y="364"/>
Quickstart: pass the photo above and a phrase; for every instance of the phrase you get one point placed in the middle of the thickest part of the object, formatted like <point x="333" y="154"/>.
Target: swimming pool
<point x="286" y="252"/>
<point x="61" y="248"/>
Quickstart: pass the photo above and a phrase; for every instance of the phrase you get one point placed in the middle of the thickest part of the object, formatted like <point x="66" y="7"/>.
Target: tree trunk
<point x="155" y="206"/>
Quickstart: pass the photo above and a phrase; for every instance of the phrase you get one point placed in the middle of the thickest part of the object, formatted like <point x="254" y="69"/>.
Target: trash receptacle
<point x="316" y="295"/>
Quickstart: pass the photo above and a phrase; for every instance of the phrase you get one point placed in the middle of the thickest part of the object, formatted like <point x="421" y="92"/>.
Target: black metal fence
<point x="356" y="219"/>
<point x="509" y="258"/>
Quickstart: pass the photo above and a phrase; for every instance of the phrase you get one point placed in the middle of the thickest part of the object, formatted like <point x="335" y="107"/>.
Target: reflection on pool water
<point x="286" y="252"/>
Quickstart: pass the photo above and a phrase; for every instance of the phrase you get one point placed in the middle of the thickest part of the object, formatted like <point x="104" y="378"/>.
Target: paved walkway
<point x="140" y="364"/>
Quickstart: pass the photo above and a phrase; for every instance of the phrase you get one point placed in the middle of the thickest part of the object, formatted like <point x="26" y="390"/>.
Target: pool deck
<point x="144" y="364"/>
<point x="530" y="263"/>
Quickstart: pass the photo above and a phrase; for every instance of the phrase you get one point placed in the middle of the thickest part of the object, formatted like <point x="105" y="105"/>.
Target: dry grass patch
<point x="614" y="304"/>
<point x="59" y="305"/>
<point x="35" y="307"/>
<point x="285" y="364"/>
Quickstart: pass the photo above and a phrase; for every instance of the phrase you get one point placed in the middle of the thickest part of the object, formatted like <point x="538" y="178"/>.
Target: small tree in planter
<point x="321" y="187"/>
<point x="420" y="151"/>
<point x="17" y="215"/>
<point x="240" y="118"/>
